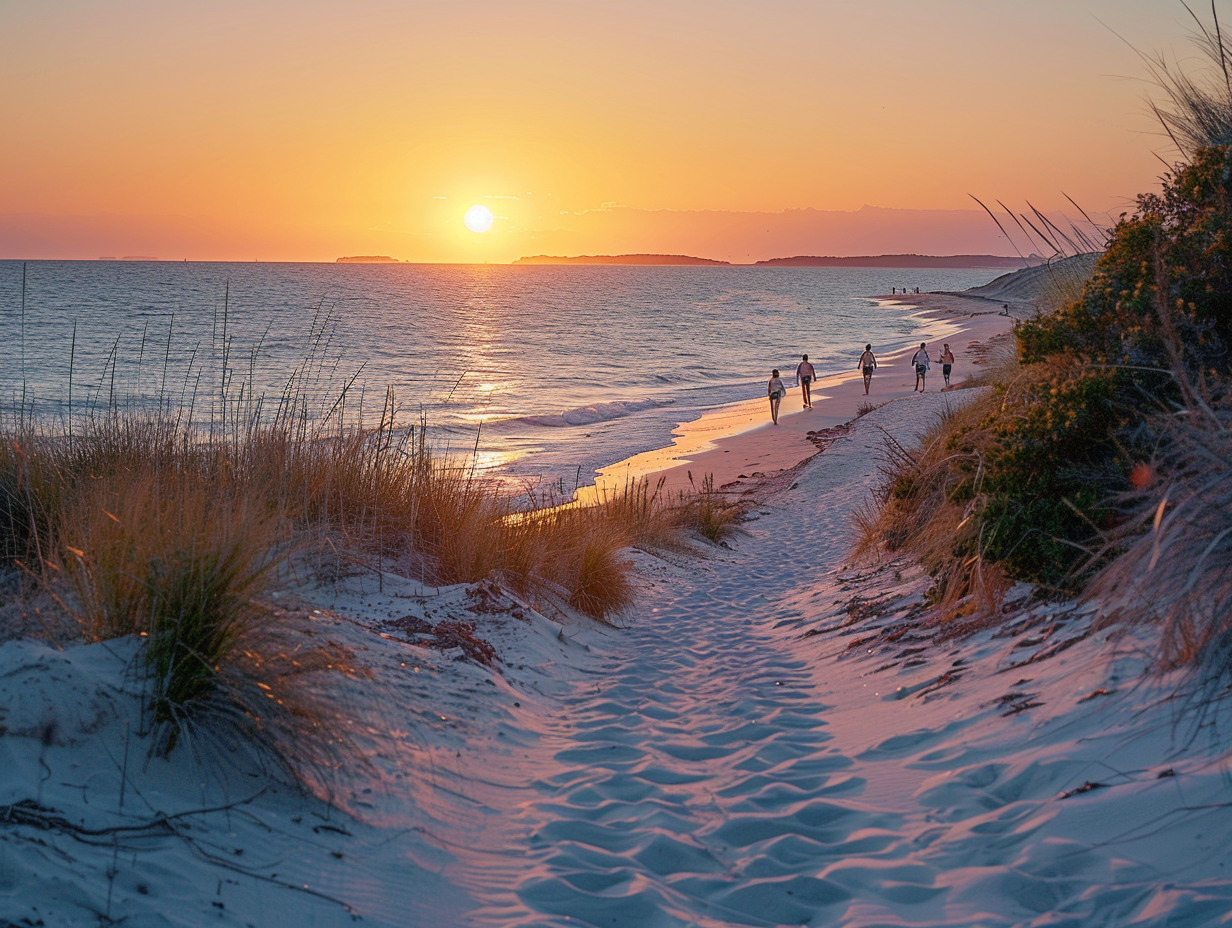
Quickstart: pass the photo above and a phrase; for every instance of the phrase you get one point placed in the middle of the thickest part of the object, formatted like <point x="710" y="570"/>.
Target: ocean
<point x="539" y="374"/>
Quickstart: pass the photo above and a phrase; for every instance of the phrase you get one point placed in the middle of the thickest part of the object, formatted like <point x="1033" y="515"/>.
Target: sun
<point x="478" y="218"/>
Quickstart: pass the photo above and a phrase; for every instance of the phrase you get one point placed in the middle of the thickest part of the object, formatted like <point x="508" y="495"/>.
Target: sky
<point x="285" y="130"/>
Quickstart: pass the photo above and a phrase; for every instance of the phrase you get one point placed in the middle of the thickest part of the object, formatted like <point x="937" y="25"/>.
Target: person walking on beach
<point x="920" y="361"/>
<point x="776" y="391"/>
<point x="805" y="375"/>
<point x="868" y="362"/>
<point x="947" y="364"/>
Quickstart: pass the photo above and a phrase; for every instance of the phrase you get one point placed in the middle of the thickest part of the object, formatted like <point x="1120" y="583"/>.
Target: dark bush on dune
<point x="1161" y="295"/>
<point x="1044" y="477"/>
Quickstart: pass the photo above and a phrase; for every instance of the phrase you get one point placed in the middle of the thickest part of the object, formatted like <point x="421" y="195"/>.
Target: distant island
<point x="902" y="261"/>
<point x="368" y="259"/>
<point x="129" y="258"/>
<point x="621" y="259"/>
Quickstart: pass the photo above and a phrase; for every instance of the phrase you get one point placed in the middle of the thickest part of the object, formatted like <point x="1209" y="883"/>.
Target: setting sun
<point x="478" y="218"/>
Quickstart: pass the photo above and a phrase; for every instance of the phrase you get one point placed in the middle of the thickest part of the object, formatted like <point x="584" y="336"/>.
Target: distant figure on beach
<point x="868" y="362"/>
<point x="893" y="290"/>
<point x="1005" y="309"/>
<point x="805" y="375"/>
<point x="776" y="391"/>
<point x="947" y="364"/>
<point x="920" y="361"/>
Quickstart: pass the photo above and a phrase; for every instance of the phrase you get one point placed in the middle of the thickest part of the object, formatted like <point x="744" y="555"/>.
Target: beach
<point x="767" y="737"/>
<point x="738" y="442"/>
<point x="767" y="742"/>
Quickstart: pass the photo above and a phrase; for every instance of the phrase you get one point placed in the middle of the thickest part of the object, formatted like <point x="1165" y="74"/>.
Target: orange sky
<point x="306" y="130"/>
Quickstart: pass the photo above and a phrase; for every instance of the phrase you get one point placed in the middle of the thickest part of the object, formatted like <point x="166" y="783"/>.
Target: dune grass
<point x="1175" y="565"/>
<point x="1097" y="462"/>
<point x="151" y="525"/>
<point x="710" y="512"/>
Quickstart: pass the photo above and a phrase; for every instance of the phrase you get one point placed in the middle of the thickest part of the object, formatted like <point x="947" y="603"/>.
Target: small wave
<point x="584" y="415"/>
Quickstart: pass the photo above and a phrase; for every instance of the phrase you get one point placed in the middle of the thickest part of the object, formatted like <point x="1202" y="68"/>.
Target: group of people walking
<point x="806" y="375"/>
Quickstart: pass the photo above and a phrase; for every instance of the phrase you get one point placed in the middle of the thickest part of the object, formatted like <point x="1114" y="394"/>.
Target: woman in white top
<point x="776" y="392"/>
<point x="920" y="361"/>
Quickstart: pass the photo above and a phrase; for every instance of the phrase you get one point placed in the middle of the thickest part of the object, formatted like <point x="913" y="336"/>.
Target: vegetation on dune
<point x="150" y="526"/>
<point x="1037" y="476"/>
<point x="1098" y="457"/>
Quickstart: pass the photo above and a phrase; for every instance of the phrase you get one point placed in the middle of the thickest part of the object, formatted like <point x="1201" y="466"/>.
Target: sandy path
<point x="722" y="768"/>
<point x="694" y="781"/>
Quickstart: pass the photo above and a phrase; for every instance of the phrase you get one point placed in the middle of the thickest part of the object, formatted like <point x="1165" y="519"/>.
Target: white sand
<point x="768" y="742"/>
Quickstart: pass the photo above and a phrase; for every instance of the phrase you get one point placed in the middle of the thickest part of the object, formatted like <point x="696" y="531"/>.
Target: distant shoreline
<point x="887" y="261"/>
<point x="902" y="261"/>
<point x="907" y="260"/>
<point x="641" y="260"/>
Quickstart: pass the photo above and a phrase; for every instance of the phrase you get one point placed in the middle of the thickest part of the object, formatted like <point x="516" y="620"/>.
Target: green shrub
<point x="1036" y="466"/>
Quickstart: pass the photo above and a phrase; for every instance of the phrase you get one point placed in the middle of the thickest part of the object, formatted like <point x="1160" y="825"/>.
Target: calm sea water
<point x="541" y="370"/>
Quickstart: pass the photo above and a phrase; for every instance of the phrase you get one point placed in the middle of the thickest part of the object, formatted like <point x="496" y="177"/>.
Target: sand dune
<point x="770" y="741"/>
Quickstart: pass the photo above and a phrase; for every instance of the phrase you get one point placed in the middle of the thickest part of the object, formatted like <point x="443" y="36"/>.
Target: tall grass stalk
<point x="1195" y="109"/>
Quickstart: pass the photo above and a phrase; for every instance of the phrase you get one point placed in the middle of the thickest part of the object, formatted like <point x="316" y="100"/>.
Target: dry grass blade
<point x="1176" y="566"/>
<point x="1196" y="109"/>
<point x="917" y="509"/>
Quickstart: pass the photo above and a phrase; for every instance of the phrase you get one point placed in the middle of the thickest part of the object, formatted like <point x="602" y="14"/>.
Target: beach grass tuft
<point x="710" y="512"/>
<point x="599" y="573"/>
<point x="1174" y="566"/>
<point x="1195" y="102"/>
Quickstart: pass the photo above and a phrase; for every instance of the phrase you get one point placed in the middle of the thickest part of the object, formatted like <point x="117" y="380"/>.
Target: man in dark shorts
<point x="805" y="375"/>
<point x="868" y="362"/>
<point x="947" y="364"/>
<point x="920" y="361"/>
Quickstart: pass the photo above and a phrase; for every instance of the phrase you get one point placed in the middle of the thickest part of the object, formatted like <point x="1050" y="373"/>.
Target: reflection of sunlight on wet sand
<point x="697" y="441"/>
<point x="486" y="460"/>
<point x="688" y="441"/>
